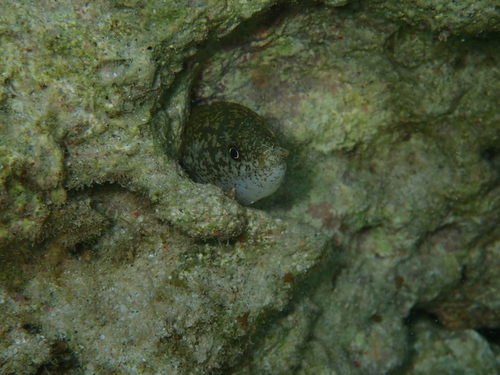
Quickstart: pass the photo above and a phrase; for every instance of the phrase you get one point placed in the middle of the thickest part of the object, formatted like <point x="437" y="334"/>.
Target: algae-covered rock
<point x="163" y="303"/>
<point x="462" y="351"/>
<point x="79" y="84"/>
<point x="396" y="162"/>
<point x="446" y="17"/>
<point x="114" y="261"/>
<point x="475" y="302"/>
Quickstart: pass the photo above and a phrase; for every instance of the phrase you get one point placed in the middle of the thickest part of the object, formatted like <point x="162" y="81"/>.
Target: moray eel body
<point x="228" y="145"/>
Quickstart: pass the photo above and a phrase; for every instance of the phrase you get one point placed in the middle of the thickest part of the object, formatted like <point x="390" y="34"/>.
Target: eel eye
<point x="234" y="151"/>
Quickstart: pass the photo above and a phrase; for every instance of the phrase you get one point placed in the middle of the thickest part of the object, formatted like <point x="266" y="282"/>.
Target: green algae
<point x="446" y="18"/>
<point x="114" y="250"/>
<point x="381" y="114"/>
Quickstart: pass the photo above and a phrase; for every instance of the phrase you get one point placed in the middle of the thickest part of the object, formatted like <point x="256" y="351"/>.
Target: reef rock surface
<point x="378" y="254"/>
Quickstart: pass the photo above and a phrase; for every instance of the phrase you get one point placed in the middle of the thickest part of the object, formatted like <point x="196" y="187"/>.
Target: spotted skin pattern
<point x="228" y="145"/>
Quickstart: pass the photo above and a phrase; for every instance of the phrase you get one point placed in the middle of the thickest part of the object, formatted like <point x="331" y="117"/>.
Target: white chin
<point x="252" y="188"/>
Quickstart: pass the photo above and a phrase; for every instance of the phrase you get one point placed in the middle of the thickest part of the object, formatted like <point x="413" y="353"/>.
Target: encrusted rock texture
<point x="379" y="254"/>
